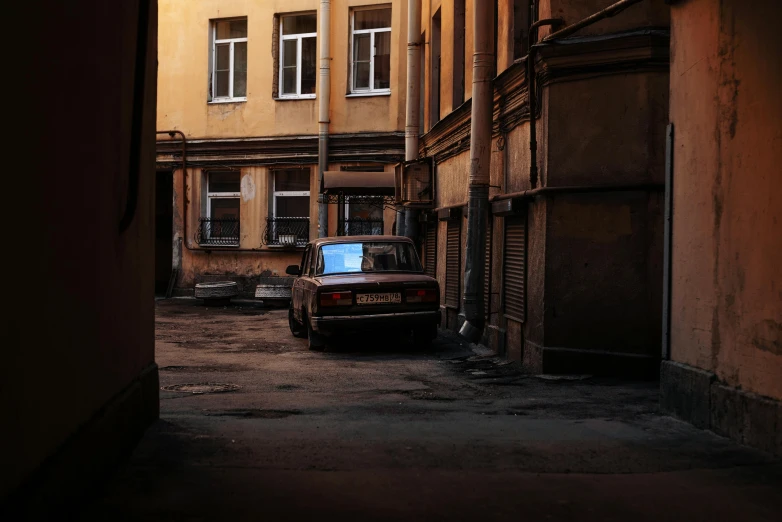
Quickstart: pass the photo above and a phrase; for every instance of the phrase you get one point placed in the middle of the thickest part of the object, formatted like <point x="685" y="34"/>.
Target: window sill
<point x="231" y="100"/>
<point x="367" y="94"/>
<point x="294" y="98"/>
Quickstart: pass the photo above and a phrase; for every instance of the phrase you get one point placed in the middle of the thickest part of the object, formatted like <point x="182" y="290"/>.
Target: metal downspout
<point x="324" y="96"/>
<point x="412" y="123"/>
<point x="172" y="133"/>
<point x="480" y="163"/>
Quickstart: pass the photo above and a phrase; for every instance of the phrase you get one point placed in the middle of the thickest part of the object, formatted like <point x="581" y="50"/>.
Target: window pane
<point x="297" y="180"/>
<point x="223" y="57"/>
<point x="224" y="209"/>
<point x="297" y="206"/>
<point x="382" y="60"/>
<point x="367" y="257"/>
<point x="240" y="69"/>
<point x="289" y="53"/>
<point x="289" y="80"/>
<point x="373" y="19"/>
<point x="300" y="24"/>
<point x="361" y="48"/>
<point x="232" y="29"/>
<point x="224" y="181"/>
<point x="361" y="75"/>
<point x="221" y="84"/>
<point x="308" y="65"/>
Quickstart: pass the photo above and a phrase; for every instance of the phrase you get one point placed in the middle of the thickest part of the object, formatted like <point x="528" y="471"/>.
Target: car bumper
<point x="350" y="323"/>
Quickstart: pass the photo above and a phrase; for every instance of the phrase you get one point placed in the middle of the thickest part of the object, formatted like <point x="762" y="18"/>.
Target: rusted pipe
<point x="172" y="133"/>
<point x="580" y="189"/>
<point x="533" y="131"/>
<point x="480" y="163"/>
<point x="608" y="12"/>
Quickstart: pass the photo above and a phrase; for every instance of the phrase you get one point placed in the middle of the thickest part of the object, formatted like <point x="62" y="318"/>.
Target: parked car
<point x="362" y="283"/>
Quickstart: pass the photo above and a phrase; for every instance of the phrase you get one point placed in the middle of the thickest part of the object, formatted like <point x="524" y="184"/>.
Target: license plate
<point x="369" y="299"/>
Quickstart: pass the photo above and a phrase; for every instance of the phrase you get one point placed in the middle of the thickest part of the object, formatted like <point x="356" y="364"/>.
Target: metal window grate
<point x="515" y="262"/>
<point x="430" y="250"/>
<point x="453" y="261"/>
<point x="287" y="231"/>
<point x="219" y="232"/>
<point x="361" y="227"/>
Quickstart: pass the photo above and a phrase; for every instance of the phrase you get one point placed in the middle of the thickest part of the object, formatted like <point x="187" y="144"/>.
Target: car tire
<point x="423" y="336"/>
<point x="315" y="341"/>
<point x="297" y="329"/>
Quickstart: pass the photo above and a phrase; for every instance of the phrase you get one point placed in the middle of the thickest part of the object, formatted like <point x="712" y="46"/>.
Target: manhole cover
<point x="202" y="387"/>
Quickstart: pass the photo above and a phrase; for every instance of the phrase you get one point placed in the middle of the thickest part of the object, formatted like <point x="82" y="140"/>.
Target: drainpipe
<point x="480" y="162"/>
<point x="412" y="123"/>
<point x="324" y="95"/>
<point x="173" y="133"/>
<point x="533" y="131"/>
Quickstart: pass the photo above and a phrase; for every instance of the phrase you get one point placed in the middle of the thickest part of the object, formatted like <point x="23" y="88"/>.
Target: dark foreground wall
<point x="726" y="292"/>
<point x="79" y="381"/>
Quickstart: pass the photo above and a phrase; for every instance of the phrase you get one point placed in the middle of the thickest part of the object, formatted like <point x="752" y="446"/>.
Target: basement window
<point x="298" y="55"/>
<point x="370" y="51"/>
<point x="228" y="61"/>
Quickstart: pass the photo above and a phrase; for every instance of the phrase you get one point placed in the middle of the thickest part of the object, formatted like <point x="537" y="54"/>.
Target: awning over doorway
<point x="358" y="183"/>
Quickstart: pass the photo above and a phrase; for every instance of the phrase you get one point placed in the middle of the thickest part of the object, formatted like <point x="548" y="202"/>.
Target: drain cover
<point x="201" y="387"/>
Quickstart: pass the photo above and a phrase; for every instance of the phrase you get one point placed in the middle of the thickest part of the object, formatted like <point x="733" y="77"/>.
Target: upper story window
<point x="298" y="59"/>
<point x="371" y="50"/>
<point x="228" y="65"/>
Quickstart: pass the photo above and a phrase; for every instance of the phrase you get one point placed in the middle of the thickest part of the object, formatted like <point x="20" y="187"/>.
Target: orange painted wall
<point x="727" y="229"/>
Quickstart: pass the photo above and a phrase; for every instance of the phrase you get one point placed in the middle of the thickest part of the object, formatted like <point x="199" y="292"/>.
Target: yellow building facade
<point x="240" y="83"/>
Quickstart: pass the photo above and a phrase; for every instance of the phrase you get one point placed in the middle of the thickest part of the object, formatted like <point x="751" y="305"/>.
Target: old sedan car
<point x="362" y="283"/>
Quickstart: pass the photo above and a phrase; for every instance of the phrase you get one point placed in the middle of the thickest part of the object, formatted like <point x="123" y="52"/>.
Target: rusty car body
<point x="362" y="283"/>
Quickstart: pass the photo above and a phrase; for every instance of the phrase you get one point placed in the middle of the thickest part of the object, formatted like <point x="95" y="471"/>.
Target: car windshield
<point x="347" y="258"/>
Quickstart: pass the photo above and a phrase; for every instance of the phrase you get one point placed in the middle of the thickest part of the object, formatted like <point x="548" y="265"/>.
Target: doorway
<point x="164" y="230"/>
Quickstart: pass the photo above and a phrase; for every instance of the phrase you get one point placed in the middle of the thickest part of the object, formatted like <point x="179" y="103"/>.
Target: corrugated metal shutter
<point x="487" y="269"/>
<point x="430" y="253"/>
<point x="515" y="262"/>
<point x="453" y="263"/>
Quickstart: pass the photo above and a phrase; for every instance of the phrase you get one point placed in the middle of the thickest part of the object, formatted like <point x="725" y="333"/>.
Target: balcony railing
<point x="287" y="231"/>
<point x="361" y="227"/>
<point x="218" y="232"/>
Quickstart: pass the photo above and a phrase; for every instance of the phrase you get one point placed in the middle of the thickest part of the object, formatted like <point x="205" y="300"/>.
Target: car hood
<point x="375" y="278"/>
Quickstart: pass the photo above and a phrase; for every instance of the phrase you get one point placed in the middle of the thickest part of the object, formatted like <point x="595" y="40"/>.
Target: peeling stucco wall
<point x="726" y="312"/>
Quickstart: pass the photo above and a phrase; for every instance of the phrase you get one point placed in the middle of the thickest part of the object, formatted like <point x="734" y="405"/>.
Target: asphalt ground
<point x="255" y="427"/>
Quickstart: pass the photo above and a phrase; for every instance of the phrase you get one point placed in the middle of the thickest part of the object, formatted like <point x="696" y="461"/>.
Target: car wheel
<point x="297" y="329"/>
<point x="316" y="341"/>
<point x="423" y="336"/>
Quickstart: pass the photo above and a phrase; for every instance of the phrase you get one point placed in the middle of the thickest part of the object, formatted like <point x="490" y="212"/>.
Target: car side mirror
<point x="293" y="270"/>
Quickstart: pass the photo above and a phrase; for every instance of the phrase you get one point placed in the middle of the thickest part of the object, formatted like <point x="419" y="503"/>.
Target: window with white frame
<point x="298" y="55"/>
<point x="371" y="50"/>
<point x="228" y="64"/>
<point x="291" y="193"/>
<point x="223" y="192"/>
